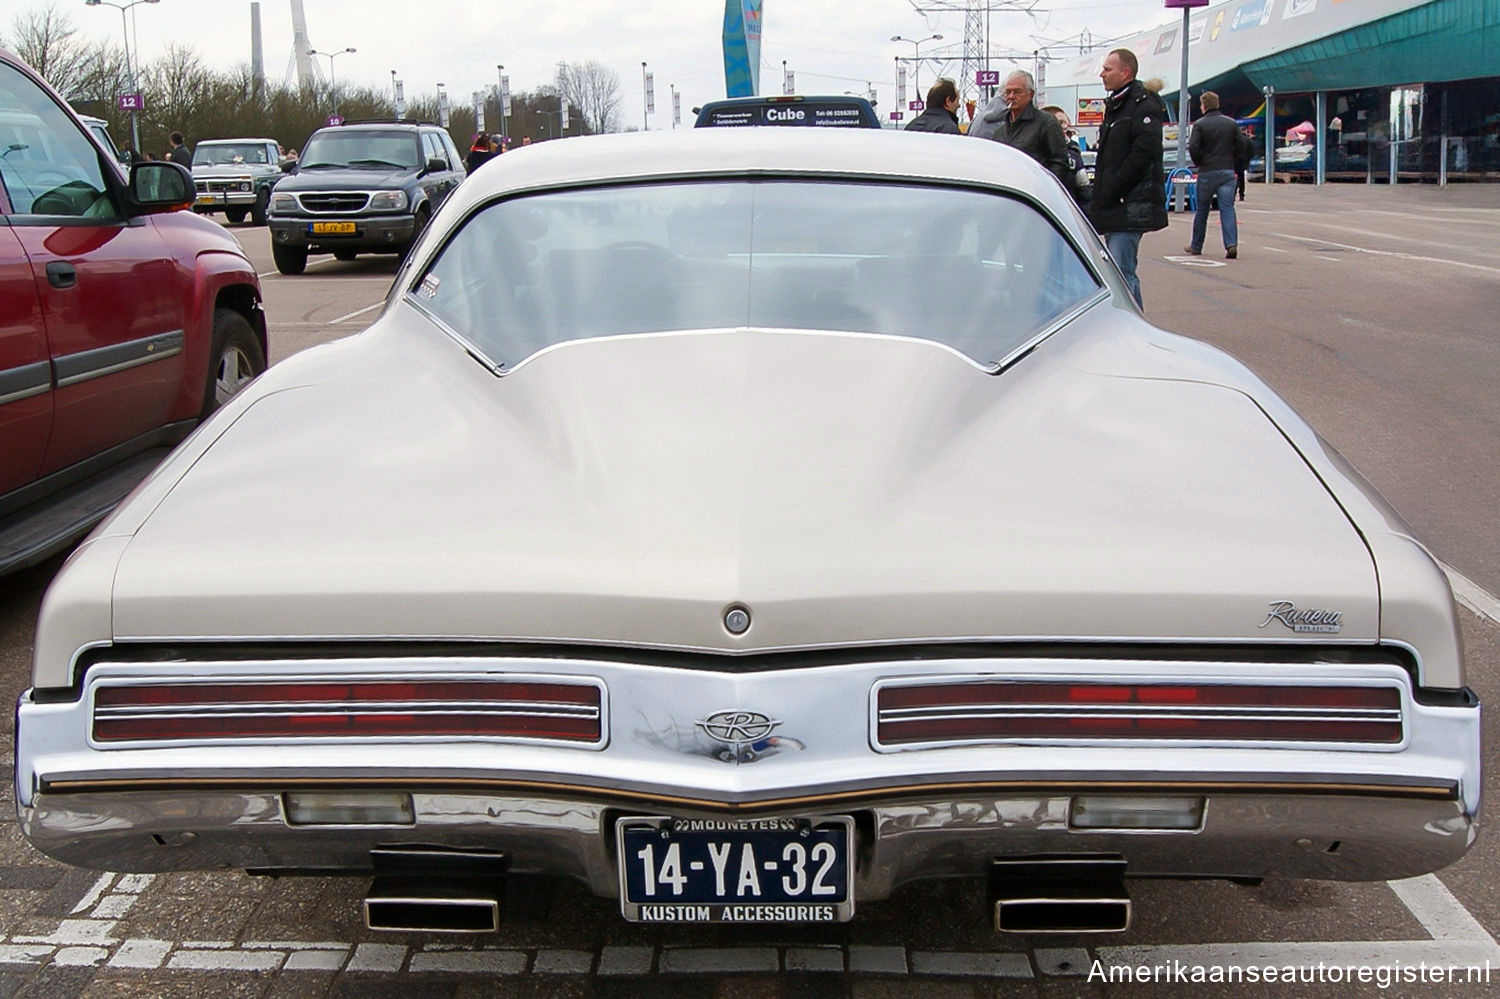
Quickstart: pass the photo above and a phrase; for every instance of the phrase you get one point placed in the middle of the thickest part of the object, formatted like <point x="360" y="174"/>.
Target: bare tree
<point x="594" y="89"/>
<point x="49" y="43"/>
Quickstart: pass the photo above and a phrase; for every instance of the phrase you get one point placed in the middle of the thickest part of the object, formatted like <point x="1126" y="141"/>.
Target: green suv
<point x="364" y="187"/>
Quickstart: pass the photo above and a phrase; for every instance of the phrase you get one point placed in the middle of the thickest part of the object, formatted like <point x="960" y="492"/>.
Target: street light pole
<point x="645" y="122"/>
<point x="135" y="89"/>
<point x="333" y="90"/>
<point x="550" y="115"/>
<point x="917" y="57"/>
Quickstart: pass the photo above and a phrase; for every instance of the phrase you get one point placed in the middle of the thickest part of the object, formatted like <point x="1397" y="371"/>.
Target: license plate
<point x="209" y="199"/>
<point x="735" y="871"/>
<point x="330" y="228"/>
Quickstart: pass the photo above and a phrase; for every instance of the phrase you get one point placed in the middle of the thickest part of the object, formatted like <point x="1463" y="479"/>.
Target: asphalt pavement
<point x="1372" y="310"/>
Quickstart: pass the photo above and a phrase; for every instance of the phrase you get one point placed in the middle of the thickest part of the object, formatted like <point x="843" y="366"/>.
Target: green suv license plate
<point x="735" y="871"/>
<point x="330" y="229"/>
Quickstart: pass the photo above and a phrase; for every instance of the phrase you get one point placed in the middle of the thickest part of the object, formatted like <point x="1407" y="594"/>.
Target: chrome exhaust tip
<point x="1060" y="894"/>
<point x="433" y="889"/>
<point x="1062" y="915"/>
<point x="413" y="906"/>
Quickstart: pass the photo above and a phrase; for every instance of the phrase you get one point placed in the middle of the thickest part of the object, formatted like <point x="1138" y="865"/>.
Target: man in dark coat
<point x="941" y="114"/>
<point x="1129" y="187"/>
<point x="1217" y="146"/>
<point x="180" y="152"/>
<point x="1014" y="119"/>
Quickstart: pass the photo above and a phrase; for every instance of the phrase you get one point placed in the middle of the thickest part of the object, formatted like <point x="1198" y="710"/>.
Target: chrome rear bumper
<point x="1312" y="810"/>
<point x="1321" y="835"/>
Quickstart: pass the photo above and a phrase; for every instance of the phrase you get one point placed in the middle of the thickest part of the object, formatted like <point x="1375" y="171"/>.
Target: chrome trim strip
<point x="1327" y="784"/>
<point x="25" y="381"/>
<point x="1026" y="346"/>
<point x="895" y="716"/>
<point x="293" y="709"/>
<point x="84" y="365"/>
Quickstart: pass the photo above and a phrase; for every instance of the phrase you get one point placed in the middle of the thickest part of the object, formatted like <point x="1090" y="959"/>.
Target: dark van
<point x="835" y="112"/>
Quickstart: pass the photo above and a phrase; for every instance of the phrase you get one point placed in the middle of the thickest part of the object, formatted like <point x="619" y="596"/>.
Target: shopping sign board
<point x="1090" y="111"/>
<point x="131" y="102"/>
<point x="987" y="78"/>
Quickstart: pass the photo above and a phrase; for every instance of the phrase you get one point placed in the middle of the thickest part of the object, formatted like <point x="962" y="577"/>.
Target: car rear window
<point x="981" y="272"/>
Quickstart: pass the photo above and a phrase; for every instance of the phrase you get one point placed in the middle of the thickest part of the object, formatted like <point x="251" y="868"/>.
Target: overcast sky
<point x="831" y="45"/>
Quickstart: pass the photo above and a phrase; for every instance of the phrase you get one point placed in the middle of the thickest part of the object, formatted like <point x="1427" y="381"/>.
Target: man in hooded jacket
<point x="941" y="114"/>
<point x="1129" y="187"/>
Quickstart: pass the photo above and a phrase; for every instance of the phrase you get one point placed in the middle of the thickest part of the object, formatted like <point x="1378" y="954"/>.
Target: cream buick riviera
<point x="746" y="523"/>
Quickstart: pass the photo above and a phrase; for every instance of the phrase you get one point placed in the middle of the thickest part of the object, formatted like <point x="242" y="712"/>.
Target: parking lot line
<point x="1389" y="253"/>
<point x="1440" y="914"/>
<point x="1471" y="595"/>
<point x="356" y="312"/>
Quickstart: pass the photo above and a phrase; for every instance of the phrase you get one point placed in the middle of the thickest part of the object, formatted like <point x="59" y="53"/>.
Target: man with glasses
<point x="1014" y="119"/>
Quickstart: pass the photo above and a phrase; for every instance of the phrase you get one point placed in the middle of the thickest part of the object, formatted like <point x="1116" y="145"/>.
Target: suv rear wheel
<point x="289" y="259"/>
<point x="234" y="359"/>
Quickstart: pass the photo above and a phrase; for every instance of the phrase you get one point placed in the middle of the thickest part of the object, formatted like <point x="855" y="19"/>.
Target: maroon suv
<point x="124" y="320"/>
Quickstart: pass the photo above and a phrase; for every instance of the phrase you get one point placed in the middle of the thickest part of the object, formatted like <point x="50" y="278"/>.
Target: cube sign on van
<point x="130" y="102"/>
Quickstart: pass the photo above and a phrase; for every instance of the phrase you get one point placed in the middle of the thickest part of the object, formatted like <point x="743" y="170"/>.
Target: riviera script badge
<point x="1327" y="622"/>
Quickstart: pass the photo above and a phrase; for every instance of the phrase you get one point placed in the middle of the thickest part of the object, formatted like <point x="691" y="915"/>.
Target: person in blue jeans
<point x="1216" y="145"/>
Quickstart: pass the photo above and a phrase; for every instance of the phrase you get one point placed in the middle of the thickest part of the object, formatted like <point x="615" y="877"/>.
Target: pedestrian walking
<point x="1216" y="146"/>
<point x="479" y="153"/>
<point x="1128" y="183"/>
<point x="941" y="113"/>
<point x="180" y="153"/>
<point x="1014" y="119"/>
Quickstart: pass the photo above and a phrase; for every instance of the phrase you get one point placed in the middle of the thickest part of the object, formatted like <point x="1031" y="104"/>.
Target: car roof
<point x="226" y="142"/>
<point x="874" y="154"/>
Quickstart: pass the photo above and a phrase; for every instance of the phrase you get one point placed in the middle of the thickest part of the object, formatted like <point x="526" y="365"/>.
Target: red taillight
<point x="568" y="712"/>
<point x="1000" y="711"/>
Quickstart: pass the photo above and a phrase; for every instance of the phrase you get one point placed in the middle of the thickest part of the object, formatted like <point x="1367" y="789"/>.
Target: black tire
<point x="236" y="215"/>
<point x="416" y="236"/>
<point x="344" y="254"/>
<point x="262" y="205"/>
<point x="289" y="259"/>
<point x="235" y="357"/>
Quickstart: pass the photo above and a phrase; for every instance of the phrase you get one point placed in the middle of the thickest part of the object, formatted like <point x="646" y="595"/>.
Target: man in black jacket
<point x="941" y="114"/>
<point x="1129" y="199"/>
<point x="1014" y="119"/>
<point x="1217" y="145"/>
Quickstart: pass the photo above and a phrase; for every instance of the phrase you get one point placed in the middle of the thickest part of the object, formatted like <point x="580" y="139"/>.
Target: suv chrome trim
<point x="74" y="368"/>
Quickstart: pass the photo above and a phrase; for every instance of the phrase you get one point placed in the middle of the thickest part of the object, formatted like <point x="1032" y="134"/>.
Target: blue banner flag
<point x="742" y="47"/>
